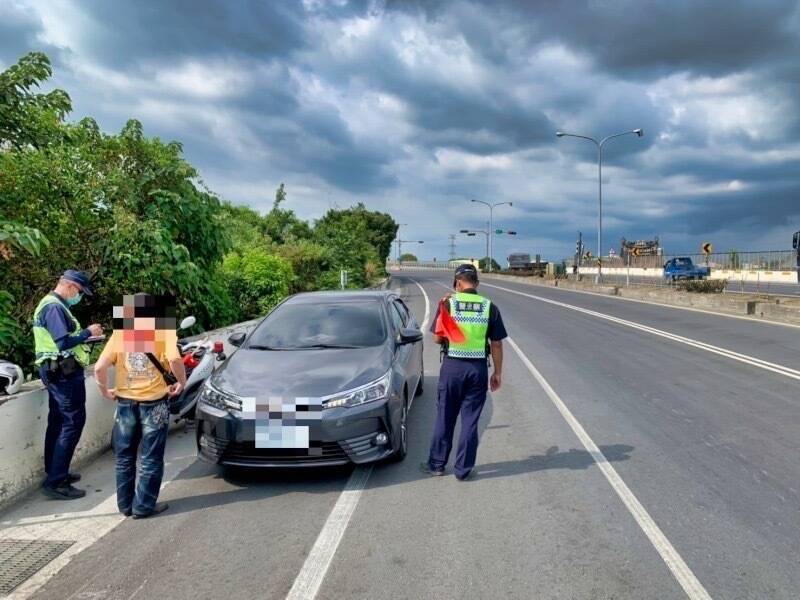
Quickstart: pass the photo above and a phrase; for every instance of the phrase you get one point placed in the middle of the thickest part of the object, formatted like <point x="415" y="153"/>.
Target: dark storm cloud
<point x="125" y="33"/>
<point x="714" y="85"/>
<point x="652" y="37"/>
<point x="19" y="31"/>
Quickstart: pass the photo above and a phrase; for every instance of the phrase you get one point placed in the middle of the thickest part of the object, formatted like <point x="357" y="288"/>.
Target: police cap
<point x="80" y="279"/>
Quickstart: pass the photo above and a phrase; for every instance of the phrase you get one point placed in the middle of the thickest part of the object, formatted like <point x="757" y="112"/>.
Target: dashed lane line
<point x="308" y="581"/>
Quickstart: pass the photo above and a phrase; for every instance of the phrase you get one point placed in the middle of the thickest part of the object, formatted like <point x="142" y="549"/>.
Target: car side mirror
<point x="188" y="322"/>
<point x="236" y="339"/>
<point x="409" y="336"/>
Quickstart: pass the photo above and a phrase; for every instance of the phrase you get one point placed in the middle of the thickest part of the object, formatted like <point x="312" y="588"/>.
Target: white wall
<point x="23" y="420"/>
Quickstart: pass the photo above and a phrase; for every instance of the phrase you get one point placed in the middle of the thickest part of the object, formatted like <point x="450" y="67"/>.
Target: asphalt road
<point x="733" y="287"/>
<point x="629" y="454"/>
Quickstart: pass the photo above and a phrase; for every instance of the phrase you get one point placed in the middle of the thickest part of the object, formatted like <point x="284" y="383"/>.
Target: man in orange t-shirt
<point x="144" y="332"/>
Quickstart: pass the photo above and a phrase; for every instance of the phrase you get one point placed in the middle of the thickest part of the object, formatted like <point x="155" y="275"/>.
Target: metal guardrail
<point x="765" y="260"/>
<point x="443" y="265"/>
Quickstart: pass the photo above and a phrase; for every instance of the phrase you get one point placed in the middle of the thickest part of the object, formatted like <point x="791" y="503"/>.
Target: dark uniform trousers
<point x="462" y="390"/>
<point x="65" y="421"/>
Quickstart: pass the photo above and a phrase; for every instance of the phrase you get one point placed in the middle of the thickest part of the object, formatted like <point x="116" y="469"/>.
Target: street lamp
<point x="400" y="248"/>
<point x="599" y="144"/>
<point x="399" y="225"/>
<point x="491" y="225"/>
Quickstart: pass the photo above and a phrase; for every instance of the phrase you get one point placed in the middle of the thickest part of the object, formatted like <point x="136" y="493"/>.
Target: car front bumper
<point x="344" y="436"/>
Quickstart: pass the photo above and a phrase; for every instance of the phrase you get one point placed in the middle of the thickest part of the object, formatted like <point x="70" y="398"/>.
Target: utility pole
<point x="490" y="248"/>
<point x="452" y="246"/>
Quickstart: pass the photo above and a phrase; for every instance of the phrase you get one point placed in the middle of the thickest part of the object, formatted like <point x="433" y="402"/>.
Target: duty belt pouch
<point x="169" y="378"/>
<point x="68" y="366"/>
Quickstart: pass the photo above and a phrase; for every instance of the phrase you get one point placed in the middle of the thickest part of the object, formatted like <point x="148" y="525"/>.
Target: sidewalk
<point x="62" y="529"/>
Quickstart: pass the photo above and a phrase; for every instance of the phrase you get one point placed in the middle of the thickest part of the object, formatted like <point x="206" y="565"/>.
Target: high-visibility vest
<point x="471" y="312"/>
<point x="45" y="345"/>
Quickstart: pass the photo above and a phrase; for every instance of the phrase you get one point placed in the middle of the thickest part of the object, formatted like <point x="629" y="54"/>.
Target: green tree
<point x="281" y="224"/>
<point x="408" y="257"/>
<point x="733" y="257"/>
<point x="28" y="118"/>
<point x="258" y="280"/>
<point x="483" y="264"/>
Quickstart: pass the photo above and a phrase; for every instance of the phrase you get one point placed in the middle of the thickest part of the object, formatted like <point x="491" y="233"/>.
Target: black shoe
<point x="426" y="468"/>
<point x="127" y="513"/>
<point x="63" y="491"/>
<point x="468" y="477"/>
<point x="73" y="478"/>
<point x="157" y="509"/>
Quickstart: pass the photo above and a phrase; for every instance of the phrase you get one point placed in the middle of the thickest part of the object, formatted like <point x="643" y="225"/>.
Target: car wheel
<point x="421" y="379"/>
<point x="402" y="449"/>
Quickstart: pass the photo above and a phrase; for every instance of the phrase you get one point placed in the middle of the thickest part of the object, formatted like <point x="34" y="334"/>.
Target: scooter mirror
<point x="188" y="322"/>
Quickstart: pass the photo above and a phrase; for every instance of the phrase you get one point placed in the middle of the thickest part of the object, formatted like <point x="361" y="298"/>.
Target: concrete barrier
<point x="23" y="420"/>
<point x="745" y="276"/>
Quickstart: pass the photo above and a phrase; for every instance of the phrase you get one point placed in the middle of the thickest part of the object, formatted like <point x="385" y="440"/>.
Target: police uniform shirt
<point x="496" y="330"/>
<point x="60" y="325"/>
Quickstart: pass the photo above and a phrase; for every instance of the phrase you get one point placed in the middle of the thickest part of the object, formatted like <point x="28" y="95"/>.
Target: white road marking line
<point x="676" y="307"/>
<point x="316" y="565"/>
<point x="427" y="305"/>
<point x="690" y="584"/>
<point x="85" y="527"/>
<point x="308" y="581"/>
<point x="750" y="360"/>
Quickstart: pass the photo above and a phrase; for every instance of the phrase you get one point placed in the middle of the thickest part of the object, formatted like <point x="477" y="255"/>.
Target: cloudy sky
<point x="416" y="107"/>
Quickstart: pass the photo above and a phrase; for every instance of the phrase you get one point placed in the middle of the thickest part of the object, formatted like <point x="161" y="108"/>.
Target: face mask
<point x="75" y="299"/>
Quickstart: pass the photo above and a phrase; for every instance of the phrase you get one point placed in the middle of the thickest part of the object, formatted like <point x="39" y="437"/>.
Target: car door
<point x="418" y="346"/>
<point x="402" y="352"/>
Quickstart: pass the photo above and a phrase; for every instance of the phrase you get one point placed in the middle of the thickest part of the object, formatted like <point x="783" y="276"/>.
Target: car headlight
<point x="367" y="393"/>
<point x="218" y="399"/>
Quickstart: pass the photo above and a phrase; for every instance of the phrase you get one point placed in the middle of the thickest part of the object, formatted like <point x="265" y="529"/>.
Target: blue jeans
<point x="139" y="427"/>
<point x="65" y="420"/>
<point x="462" y="391"/>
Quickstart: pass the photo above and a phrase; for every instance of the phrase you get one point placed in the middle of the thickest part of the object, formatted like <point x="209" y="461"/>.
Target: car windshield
<point x="298" y="326"/>
<point x="683" y="262"/>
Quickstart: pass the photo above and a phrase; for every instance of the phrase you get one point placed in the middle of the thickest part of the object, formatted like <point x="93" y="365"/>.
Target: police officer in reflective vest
<point x="464" y="375"/>
<point x="61" y="356"/>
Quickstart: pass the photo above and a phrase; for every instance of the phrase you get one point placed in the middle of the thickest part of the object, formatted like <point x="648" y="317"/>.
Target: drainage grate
<point x="19" y="559"/>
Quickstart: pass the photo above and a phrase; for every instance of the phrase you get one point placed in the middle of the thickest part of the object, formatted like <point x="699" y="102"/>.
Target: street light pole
<point x="491" y="225"/>
<point x="599" y="144"/>
<point x="400" y="246"/>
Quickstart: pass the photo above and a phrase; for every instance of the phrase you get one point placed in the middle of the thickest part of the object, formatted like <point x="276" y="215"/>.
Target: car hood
<point x="298" y="373"/>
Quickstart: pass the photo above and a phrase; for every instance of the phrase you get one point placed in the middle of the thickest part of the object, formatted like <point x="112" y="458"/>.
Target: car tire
<point x="402" y="449"/>
<point x="419" y="390"/>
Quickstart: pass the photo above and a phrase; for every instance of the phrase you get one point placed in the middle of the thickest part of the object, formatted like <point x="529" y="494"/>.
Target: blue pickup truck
<point x="683" y="268"/>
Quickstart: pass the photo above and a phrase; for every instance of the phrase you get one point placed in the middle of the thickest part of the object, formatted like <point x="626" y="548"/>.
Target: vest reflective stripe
<point x="471" y="312"/>
<point x="45" y="346"/>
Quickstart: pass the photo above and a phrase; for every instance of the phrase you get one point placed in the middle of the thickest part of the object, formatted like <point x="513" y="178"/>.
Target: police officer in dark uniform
<point x="62" y="355"/>
<point x="464" y="375"/>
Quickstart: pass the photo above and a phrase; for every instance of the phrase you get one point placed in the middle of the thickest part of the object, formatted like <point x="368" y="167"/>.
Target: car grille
<point x="248" y="453"/>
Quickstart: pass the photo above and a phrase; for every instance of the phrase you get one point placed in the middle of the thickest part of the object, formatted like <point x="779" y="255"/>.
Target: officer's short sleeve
<point x="497" y="330"/>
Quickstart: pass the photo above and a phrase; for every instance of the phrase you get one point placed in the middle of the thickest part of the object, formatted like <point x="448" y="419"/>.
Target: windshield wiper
<point x="324" y="346"/>
<point x="262" y="347"/>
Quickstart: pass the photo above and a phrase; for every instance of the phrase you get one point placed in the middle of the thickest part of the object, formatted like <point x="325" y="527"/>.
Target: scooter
<point x="198" y="357"/>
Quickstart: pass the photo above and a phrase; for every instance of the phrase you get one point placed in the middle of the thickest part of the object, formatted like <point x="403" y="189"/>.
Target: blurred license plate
<point x="282" y="422"/>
